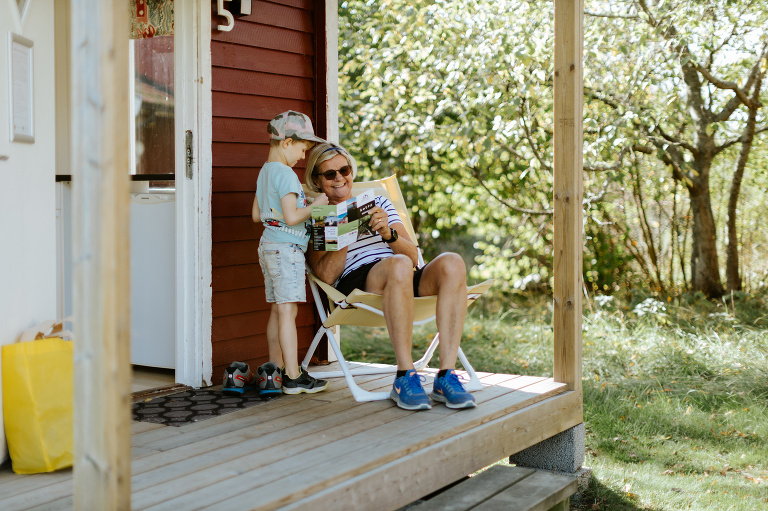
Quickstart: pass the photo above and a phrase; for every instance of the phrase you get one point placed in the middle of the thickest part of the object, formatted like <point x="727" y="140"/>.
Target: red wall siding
<point x="267" y="64"/>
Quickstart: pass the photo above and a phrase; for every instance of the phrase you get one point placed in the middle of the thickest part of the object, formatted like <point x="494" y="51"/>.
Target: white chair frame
<point x="358" y="393"/>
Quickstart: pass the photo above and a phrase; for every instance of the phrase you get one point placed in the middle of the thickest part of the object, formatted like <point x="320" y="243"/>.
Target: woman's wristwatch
<point x="393" y="236"/>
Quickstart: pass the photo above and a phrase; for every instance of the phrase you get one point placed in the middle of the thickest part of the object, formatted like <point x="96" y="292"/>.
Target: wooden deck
<point x="322" y="450"/>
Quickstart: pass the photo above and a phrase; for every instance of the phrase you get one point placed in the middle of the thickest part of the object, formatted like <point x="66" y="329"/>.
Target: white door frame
<point x="192" y="47"/>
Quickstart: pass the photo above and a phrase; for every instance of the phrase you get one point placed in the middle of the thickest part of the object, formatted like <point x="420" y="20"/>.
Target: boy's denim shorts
<point x="284" y="272"/>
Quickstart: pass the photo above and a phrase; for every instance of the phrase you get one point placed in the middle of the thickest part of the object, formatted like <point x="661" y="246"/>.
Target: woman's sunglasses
<point x="330" y="175"/>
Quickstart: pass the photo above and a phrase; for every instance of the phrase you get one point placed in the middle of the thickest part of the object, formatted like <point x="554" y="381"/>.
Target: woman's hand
<point x="379" y="223"/>
<point x="320" y="200"/>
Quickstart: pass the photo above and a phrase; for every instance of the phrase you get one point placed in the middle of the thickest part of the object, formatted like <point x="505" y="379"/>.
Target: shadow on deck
<point x="323" y="450"/>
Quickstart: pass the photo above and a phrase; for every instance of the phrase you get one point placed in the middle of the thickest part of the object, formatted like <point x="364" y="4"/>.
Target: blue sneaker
<point x="450" y="391"/>
<point x="408" y="393"/>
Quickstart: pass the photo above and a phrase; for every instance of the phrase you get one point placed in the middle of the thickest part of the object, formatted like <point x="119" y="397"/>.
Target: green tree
<point x="449" y="96"/>
<point x="685" y="83"/>
<point x="456" y="97"/>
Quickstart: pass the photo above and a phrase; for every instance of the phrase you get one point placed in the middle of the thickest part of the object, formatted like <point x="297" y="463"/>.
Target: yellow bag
<point x="37" y="402"/>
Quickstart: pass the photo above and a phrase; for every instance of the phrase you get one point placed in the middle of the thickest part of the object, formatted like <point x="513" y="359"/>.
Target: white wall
<point x="27" y="184"/>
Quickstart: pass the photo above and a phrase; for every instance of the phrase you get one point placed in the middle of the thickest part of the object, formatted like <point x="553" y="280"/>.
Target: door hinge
<point x="190" y="159"/>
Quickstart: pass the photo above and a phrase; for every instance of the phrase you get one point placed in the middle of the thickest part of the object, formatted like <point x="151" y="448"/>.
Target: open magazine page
<point x="338" y="226"/>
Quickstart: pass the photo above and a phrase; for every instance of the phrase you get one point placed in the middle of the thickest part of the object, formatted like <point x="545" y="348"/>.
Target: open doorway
<point x="153" y="193"/>
<point x="168" y="271"/>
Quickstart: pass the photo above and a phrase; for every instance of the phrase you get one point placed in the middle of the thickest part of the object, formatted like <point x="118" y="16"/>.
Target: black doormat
<point x="191" y="406"/>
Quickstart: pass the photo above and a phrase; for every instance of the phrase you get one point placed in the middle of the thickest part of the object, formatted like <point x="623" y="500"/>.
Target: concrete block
<point x="563" y="452"/>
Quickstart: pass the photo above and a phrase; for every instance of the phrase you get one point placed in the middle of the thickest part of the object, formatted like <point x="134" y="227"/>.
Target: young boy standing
<point x="281" y="205"/>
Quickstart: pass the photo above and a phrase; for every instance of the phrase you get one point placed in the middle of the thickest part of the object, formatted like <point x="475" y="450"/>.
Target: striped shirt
<point x="371" y="247"/>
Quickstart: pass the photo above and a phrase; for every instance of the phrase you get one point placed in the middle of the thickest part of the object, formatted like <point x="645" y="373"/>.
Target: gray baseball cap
<point x="293" y="125"/>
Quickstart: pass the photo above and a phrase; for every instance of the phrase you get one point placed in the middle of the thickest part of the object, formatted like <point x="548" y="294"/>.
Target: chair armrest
<point x="329" y="290"/>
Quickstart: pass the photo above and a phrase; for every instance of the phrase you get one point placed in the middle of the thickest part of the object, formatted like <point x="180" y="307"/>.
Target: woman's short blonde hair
<point x="322" y="153"/>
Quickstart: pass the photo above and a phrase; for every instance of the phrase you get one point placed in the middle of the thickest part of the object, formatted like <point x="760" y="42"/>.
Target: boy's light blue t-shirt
<point x="276" y="180"/>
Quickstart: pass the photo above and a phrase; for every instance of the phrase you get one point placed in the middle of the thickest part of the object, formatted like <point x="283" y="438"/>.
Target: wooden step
<point x="505" y="488"/>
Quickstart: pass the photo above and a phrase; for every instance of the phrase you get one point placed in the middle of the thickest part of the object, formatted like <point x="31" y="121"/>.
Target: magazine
<point x="337" y="226"/>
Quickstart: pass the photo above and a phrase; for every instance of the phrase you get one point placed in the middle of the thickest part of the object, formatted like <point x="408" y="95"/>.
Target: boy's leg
<point x="288" y="341"/>
<point x="295" y="379"/>
<point x="290" y="290"/>
<point x="269" y="261"/>
<point x="273" y="338"/>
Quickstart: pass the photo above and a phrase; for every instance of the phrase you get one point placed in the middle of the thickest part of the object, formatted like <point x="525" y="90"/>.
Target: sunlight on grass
<point x="675" y="392"/>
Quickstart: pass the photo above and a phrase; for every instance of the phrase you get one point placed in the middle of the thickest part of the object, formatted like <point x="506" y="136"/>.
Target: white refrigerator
<point x="153" y="279"/>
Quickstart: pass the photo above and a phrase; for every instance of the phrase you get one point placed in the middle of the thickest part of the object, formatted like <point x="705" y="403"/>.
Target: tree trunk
<point x="705" y="270"/>
<point x="732" y="276"/>
<point x="732" y="261"/>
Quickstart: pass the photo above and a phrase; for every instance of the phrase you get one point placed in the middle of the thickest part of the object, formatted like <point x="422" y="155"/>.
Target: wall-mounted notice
<point x="21" y="89"/>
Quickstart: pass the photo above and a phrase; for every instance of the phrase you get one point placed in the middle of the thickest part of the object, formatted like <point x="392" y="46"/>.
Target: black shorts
<point x="357" y="277"/>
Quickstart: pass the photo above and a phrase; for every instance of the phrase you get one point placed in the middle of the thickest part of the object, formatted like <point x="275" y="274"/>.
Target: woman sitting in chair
<point x="384" y="263"/>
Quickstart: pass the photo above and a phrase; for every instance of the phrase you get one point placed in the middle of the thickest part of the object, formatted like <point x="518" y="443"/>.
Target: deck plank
<point x="12" y="484"/>
<point x="476" y="490"/>
<point x="165" y="465"/>
<point x="66" y="504"/>
<point x="400" y="482"/>
<point x="259" y="448"/>
<point x="265" y="450"/>
<point x="281" y="407"/>
<point x="375" y="436"/>
<point x="269" y="456"/>
<point x="534" y="493"/>
<point x="255" y="414"/>
<point x="385" y="450"/>
<point x="40" y="494"/>
<point x="140" y="427"/>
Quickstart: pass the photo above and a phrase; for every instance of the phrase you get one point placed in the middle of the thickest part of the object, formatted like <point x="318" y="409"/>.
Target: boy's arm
<point x="291" y="214"/>
<point x="256" y="212"/>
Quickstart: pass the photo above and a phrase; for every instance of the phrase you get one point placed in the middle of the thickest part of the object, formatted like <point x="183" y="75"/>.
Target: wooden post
<point x="568" y="159"/>
<point x="100" y="233"/>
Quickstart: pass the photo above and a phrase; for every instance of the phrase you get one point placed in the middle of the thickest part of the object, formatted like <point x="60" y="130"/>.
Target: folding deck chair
<point x="365" y="309"/>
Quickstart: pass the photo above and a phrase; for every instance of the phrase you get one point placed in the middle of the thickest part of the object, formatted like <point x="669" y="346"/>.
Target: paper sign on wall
<point x="21" y="89"/>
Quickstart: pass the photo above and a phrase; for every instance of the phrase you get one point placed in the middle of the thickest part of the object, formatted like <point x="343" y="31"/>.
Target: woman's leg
<point x="446" y="277"/>
<point x="393" y="279"/>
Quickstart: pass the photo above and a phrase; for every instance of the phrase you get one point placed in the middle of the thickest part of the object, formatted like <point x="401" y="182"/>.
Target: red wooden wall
<point x="271" y="61"/>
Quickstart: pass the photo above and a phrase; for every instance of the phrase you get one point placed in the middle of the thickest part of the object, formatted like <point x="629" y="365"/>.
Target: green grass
<point x="675" y="392"/>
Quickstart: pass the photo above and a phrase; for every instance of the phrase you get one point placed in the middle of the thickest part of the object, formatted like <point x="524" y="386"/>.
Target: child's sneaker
<point x="238" y="379"/>
<point x="303" y="384"/>
<point x="450" y="391"/>
<point x="270" y="380"/>
<point x="408" y="393"/>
